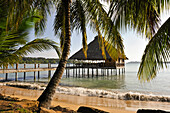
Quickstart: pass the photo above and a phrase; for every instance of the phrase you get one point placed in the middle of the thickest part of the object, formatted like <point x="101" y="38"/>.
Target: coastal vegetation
<point x="14" y="36"/>
<point x="142" y="15"/>
<point x="41" y="60"/>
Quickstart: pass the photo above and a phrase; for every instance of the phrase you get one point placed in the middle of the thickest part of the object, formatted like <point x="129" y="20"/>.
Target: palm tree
<point x="157" y="53"/>
<point x="14" y="44"/>
<point x="141" y="15"/>
<point x="75" y="15"/>
<point x="144" y="16"/>
<point x="14" y="28"/>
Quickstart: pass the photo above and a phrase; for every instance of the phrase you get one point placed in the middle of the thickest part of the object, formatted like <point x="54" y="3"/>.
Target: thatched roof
<point x="93" y="52"/>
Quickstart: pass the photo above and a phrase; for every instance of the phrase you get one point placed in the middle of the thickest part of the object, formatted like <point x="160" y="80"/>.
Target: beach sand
<point x="74" y="102"/>
<point x="68" y="101"/>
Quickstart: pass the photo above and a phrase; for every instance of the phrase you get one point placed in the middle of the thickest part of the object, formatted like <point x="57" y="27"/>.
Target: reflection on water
<point x="104" y="82"/>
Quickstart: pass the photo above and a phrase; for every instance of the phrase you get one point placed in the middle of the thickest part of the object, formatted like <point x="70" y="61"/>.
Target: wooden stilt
<point x="24" y="76"/>
<point x="76" y="71"/>
<point x="82" y="69"/>
<point x="16" y="76"/>
<point x="38" y="72"/>
<point x="24" y="65"/>
<point x="38" y="75"/>
<point x="6" y="76"/>
<point x="73" y="72"/>
<point x="97" y="72"/>
<point x="88" y="72"/>
<point x="107" y="72"/>
<point x="49" y="74"/>
<point x="34" y="76"/>
<point x="35" y="66"/>
<point x="17" y="66"/>
<point x="79" y="72"/>
<point x="92" y="73"/>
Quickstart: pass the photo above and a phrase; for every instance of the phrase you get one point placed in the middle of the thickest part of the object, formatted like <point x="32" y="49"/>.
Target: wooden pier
<point x="72" y="70"/>
<point x="92" y="70"/>
<point x="36" y="68"/>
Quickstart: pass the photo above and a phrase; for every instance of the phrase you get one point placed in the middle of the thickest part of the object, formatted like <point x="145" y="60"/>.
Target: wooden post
<point x="38" y="72"/>
<point x="24" y="65"/>
<point x="16" y="76"/>
<point x="92" y="73"/>
<point x="24" y="76"/>
<point x="34" y="76"/>
<point x="35" y="66"/>
<point x="88" y="72"/>
<point x="35" y="72"/>
<point x="49" y="74"/>
<point x="76" y="71"/>
<point x="24" y="72"/>
<point x="16" y="66"/>
<point x="119" y="71"/>
<point x="79" y="72"/>
<point x="73" y="71"/>
<point x="97" y="71"/>
<point x="116" y="71"/>
<point x="49" y="65"/>
<point x="81" y="75"/>
<point x="6" y="77"/>
<point x="108" y="72"/>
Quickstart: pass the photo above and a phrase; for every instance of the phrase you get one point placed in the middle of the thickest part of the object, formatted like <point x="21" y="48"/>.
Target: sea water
<point x="124" y="86"/>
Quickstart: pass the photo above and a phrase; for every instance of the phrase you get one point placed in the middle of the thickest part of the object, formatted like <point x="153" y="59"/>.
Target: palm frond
<point x="59" y="22"/>
<point x="99" y="17"/>
<point x="43" y="9"/>
<point x="156" y="54"/>
<point x="142" y="15"/>
<point x="38" y="45"/>
<point x="79" y="22"/>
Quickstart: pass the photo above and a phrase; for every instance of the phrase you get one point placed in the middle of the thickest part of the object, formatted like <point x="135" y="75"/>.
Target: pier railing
<point x="73" y="69"/>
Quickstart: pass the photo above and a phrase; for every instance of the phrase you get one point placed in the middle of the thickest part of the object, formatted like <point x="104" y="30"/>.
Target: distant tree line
<point x="41" y="60"/>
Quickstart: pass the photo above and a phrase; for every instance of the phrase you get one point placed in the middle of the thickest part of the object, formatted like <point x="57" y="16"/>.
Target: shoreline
<point x="67" y="101"/>
<point x="74" y="102"/>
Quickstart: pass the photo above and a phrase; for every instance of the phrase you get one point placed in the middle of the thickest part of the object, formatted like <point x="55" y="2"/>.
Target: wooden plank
<point x="25" y="70"/>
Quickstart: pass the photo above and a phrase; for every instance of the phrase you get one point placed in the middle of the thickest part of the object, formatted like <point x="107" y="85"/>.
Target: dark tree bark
<point x="47" y="96"/>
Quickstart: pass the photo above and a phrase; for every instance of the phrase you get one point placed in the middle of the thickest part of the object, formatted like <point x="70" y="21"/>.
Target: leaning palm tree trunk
<point x="46" y="97"/>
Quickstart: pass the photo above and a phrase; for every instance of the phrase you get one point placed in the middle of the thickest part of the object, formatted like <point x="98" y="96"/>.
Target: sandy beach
<point x="68" y="101"/>
<point x="74" y="102"/>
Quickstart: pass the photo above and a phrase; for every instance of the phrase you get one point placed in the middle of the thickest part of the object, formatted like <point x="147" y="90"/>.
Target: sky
<point x="134" y="43"/>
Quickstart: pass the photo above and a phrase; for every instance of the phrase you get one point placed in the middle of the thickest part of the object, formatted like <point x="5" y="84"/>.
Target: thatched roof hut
<point x="93" y="52"/>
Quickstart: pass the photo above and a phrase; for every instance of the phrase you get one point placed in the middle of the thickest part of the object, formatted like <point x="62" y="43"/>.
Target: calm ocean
<point x="118" y="84"/>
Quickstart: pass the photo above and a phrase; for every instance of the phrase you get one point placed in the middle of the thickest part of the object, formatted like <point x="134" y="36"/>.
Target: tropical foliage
<point x="71" y="15"/>
<point x="144" y="17"/>
<point x="14" y="33"/>
<point x="77" y="15"/>
<point x="84" y="13"/>
<point x="157" y="53"/>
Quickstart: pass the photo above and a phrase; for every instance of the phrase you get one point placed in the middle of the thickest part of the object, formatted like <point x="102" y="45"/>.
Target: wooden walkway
<point x="26" y="70"/>
<point x="70" y="71"/>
